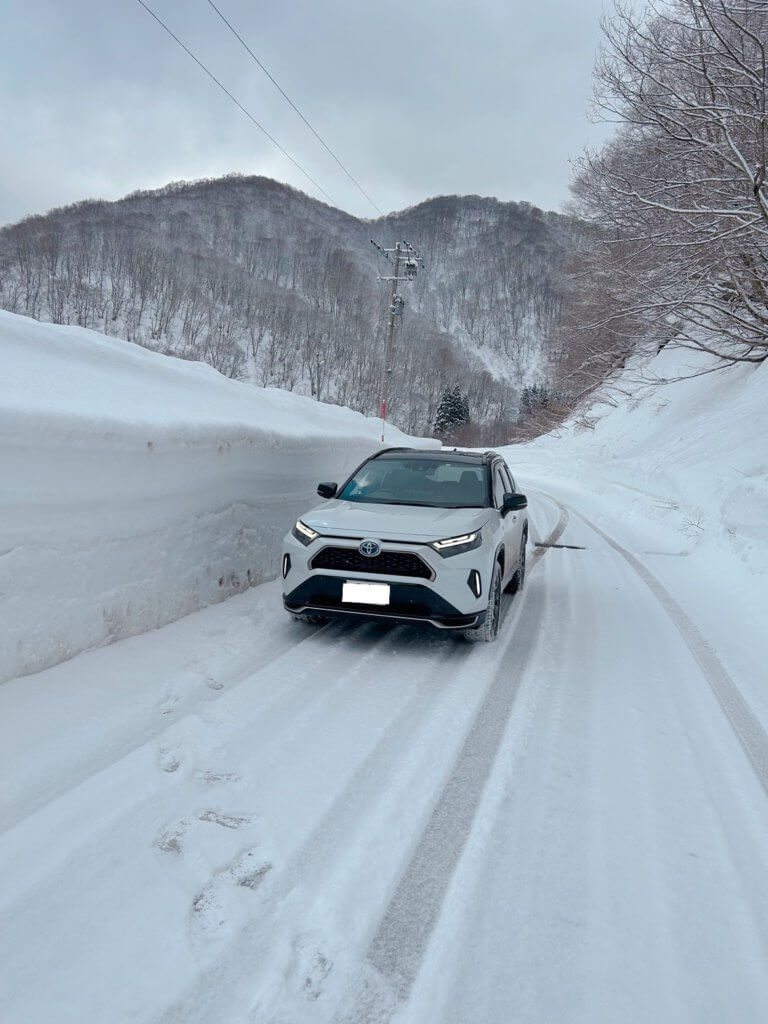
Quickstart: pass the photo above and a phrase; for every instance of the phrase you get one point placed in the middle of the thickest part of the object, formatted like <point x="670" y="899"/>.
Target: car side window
<point x="509" y="483"/>
<point x="499" y="488"/>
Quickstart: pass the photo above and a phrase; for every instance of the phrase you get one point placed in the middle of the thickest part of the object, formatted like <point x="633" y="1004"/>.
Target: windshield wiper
<point x="417" y="504"/>
<point x="420" y="504"/>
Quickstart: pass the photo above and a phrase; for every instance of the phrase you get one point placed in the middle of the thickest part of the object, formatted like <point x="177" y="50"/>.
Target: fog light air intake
<point x="286" y="565"/>
<point x="474" y="583"/>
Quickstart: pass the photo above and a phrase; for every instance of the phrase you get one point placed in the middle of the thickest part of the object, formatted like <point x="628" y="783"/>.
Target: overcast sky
<point x="418" y="98"/>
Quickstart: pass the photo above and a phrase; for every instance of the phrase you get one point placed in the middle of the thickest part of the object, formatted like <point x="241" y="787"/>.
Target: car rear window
<point x="406" y="481"/>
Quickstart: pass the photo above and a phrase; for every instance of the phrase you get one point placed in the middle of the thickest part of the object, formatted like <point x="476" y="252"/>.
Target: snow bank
<point x="137" y="488"/>
<point x="678" y="473"/>
<point x="691" y="455"/>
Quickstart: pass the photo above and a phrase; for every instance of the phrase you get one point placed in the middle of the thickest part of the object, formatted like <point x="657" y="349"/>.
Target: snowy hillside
<point x="693" y="452"/>
<point x="684" y="466"/>
<point x="137" y="488"/>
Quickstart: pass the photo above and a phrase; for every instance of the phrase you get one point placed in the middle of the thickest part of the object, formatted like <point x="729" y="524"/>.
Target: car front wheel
<point x="490" y="628"/>
<point x="517" y="582"/>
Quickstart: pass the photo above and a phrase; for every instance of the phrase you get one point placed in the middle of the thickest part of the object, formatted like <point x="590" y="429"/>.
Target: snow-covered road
<point x="238" y="818"/>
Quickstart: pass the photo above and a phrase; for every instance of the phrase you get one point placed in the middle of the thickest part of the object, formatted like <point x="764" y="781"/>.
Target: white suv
<point x="420" y="535"/>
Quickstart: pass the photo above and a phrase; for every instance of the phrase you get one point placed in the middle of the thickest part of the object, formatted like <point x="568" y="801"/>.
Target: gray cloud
<point x="419" y="98"/>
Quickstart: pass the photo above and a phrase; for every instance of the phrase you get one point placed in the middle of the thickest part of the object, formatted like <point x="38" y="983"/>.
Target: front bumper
<point x="411" y="602"/>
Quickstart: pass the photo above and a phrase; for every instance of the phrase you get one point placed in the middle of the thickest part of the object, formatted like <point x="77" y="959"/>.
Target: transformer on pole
<point x="405" y="262"/>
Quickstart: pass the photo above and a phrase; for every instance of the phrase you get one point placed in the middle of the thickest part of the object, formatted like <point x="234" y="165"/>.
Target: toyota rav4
<point x="429" y="536"/>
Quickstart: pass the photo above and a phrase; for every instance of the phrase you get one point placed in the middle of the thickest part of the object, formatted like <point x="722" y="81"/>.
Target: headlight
<point x="457" y="545"/>
<point x="303" y="533"/>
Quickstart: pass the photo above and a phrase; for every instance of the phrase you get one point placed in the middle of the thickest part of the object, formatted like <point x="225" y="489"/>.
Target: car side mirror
<point x="513" y="503"/>
<point x="327" y="490"/>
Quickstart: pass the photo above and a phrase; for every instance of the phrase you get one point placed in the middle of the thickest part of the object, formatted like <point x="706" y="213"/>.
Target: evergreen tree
<point x="452" y="412"/>
<point x="533" y="397"/>
<point x="463" y="407"/>
<point x="444" y="420"/>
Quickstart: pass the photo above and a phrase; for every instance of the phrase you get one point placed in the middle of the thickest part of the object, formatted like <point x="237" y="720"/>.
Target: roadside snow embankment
<point x="690" y="455"/>
<point x="678" y="473"/>
<point x="137" y="488"/>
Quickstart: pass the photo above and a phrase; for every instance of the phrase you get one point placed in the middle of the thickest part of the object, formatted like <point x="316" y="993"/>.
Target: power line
<point x="237" y="102"/>
<point x="282" y="92"/>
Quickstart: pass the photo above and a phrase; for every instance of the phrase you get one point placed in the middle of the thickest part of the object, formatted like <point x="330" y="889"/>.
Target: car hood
<point x="384" y="522"/>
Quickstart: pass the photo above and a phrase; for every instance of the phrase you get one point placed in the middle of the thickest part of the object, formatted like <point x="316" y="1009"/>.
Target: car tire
<point x="489" y="630"/>
<point x="517" y="582"/>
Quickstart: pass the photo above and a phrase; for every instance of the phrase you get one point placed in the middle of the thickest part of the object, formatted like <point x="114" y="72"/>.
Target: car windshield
<point x="435" y="483"/>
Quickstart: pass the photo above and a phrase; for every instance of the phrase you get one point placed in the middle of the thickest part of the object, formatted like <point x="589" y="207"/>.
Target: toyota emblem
<point x="369" y="548"/>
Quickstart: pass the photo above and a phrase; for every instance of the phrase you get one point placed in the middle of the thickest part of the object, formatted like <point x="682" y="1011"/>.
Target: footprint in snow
<point x="319" y="971"/>
<point x="219" y="906"/>
<point x="249" y="872"/>
<point x="169" y="841"/>
<point x="168" y="703"/>
<point x="310" y="966"/>
<point x="225" y="820"/>
<point x="218" y="778"/>
<point x="169" y="760"/>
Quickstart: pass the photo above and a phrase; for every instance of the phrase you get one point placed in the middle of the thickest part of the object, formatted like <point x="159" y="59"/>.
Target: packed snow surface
<point x="137" y="488"/>
<point x="241" y="819"/>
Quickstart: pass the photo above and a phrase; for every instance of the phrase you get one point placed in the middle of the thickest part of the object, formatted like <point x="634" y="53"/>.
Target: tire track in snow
<point x="268" y="936"/>
<point x="750" y="733"/>
<point x="554" y="536"/>
<point x="404" y="932"/>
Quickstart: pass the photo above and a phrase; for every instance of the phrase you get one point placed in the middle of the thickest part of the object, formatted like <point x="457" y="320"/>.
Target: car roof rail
<point x="386" y="451"/>
<point x="435" y="452"/>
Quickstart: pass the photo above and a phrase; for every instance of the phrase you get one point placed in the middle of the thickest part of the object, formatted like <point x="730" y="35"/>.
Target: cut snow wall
<point x="111" y="527"/>
<point x="109" y="541"/>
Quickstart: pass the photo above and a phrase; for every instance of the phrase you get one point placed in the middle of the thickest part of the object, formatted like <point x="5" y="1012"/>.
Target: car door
<point x="511" y="522"/>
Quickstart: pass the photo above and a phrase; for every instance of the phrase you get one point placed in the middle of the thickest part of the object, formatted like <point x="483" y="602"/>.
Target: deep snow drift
<point x="137" y="488"/>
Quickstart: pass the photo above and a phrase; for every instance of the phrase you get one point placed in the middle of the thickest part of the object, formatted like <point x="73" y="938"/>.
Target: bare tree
<point x="681" y="192"/>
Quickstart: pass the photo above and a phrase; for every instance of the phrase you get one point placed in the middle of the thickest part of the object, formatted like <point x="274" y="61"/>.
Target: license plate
<point x="365" y="593"/>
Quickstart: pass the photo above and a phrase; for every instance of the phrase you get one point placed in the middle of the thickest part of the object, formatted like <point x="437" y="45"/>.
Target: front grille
<point x="387" y="563"/>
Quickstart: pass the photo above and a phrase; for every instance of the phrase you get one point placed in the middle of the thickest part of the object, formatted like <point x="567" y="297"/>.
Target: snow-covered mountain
<point x="261" y="281"/>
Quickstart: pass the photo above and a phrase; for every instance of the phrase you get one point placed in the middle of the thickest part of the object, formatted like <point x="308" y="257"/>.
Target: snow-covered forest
<point x="264" y="283"/>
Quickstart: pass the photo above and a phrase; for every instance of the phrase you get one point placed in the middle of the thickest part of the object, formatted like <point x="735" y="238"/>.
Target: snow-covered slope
<point x="695" y="452"/>
<point x="680" y="472"/>
<point x="137" y="488"/>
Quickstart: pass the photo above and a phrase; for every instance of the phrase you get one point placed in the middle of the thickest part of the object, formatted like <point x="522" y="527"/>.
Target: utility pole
<point x="405" y="262"/>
